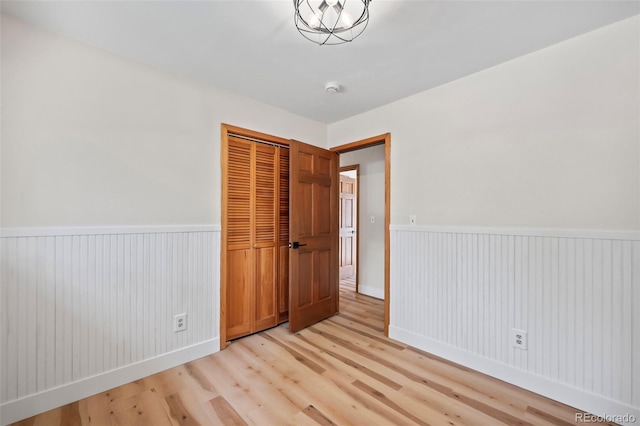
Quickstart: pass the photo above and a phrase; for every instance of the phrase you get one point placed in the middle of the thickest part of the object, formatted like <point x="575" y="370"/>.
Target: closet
<point x="256" y="229"/>
<point x="279" y="242"/>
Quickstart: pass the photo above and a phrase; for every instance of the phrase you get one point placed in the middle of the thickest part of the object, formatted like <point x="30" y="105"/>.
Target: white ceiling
<point x="252" y="47"/>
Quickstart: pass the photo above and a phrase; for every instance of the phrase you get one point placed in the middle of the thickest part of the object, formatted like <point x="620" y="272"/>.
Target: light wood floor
<point x="347" y="284"/>
<point x="342" y="371"/>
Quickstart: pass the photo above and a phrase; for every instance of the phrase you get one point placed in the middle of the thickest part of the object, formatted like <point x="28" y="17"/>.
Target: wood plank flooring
<point x="342" y="371"/>
<point x="348" y="284"/>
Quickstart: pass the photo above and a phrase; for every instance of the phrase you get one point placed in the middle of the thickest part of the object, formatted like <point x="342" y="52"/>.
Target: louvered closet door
<point x="239" y="233"/>
<point x="283" y="258"/>
<point x="254" y="237"/>
<point x="266" y="208"/>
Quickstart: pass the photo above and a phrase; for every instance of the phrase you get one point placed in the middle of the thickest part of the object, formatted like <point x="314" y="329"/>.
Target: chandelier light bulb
<point x="314" y="20"/>
<point x="332" y="2"/>
<point x="346" y="18"/>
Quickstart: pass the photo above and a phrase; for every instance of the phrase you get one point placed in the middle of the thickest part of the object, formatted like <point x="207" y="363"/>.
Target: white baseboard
<point x="23" y="408"/>
<point x="378" y="293"/>
<point x="558" y="391"/>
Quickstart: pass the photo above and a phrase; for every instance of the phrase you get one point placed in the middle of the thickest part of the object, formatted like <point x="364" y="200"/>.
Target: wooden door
<point x="237" y="229"/>
<point x="313" y="231"/>
<point x="348" y="217"/>
<point x="252" y="190"/>
<point x="265" y="238"/>
<point x="283" y="244"/>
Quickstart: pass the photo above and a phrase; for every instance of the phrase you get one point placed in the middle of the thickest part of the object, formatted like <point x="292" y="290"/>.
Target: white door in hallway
<point x="348" y="218"/>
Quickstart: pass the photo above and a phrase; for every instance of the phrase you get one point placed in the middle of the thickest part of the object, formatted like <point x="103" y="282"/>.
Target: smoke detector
<point x="332" y="87"/>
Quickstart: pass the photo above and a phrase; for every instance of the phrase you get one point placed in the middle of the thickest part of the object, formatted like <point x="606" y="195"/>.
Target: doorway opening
<point x="374" y="218"/>
<point x="349" y="226"/>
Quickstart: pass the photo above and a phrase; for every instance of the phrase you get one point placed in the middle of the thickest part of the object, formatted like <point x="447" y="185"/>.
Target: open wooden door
<point x="313" y="232"/>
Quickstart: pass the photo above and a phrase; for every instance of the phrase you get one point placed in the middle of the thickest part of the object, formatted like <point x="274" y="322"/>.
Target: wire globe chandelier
<point x="331" y="21"/>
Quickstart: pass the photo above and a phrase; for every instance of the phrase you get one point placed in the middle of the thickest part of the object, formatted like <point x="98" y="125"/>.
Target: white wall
<point x="110" y="180"/>
<point x="547" y="140"/>
<point x="371" y="203"/>
<point x="514" y="172"/>
<point x="91" y="138"/>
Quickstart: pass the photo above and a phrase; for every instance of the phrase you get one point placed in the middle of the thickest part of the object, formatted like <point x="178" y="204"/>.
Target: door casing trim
<point x="384" y="139"/>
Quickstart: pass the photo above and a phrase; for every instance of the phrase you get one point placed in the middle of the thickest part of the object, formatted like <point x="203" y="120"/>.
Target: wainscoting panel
<point x="576" y="294"/>
<point x="76" y="303"/>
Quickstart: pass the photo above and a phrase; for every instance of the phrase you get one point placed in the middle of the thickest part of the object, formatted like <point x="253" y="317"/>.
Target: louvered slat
<point x="265" y="194"/>
<point x="284" y="196"/>
<point x="239" y="193"/>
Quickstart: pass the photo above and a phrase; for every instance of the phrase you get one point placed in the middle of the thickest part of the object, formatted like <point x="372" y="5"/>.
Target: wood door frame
<point x="356" y="167"/>
<point x="226" y="129"/>
<point x="384" y="139"/>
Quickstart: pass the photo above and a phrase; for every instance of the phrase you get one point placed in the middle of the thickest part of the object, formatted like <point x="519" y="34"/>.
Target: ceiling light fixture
<point x="331" y="21"/>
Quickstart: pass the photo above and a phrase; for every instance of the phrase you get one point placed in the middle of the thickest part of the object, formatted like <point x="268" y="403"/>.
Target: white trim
<point x="531" y="232"/>
<point x="376" y="292"/>
<point x="558" y="391"/>
<point x="23" y="408"/>
<point x="103" y="230"/>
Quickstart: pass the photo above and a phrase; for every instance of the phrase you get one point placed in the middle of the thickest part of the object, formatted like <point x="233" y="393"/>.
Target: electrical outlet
<point x="412" y="219"/>
<point x="180" y="322"/>
<point x="519" y="339"/>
